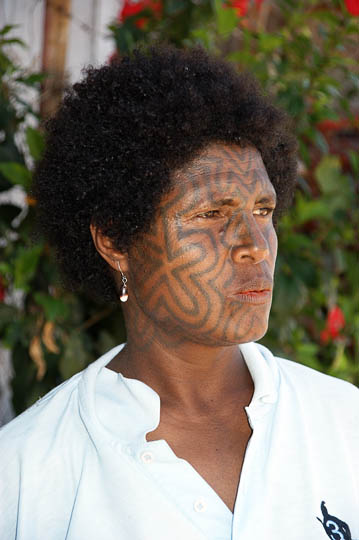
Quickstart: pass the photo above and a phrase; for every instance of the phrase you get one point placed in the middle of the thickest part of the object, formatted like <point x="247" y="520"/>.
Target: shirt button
<point x="199" y="505"/>
<point x="128" y="450"/>
<point x="147" y="457"/>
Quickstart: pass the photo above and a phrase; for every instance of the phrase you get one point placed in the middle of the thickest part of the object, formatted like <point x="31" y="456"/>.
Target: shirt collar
<point x="128" y="409"/>
<point x="260" y="363"/>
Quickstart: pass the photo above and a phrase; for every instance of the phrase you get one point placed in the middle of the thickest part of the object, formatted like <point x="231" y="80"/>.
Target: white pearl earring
<point x="124" y="291"/>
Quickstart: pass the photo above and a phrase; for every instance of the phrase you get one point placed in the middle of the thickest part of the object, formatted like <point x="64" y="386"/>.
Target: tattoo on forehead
<point x="238" y="169"/>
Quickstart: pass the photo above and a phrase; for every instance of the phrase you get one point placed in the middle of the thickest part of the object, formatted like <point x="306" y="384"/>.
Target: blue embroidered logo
<point x="335" y="528"/>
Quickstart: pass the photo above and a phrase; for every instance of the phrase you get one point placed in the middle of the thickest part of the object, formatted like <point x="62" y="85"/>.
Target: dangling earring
<point x="124" y="293"/>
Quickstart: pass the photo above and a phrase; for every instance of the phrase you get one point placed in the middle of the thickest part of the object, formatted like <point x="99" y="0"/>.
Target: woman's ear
<point x="106" y="249"/>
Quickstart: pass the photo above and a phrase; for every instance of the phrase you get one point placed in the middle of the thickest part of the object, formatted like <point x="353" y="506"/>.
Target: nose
<point x="250" y="244"/>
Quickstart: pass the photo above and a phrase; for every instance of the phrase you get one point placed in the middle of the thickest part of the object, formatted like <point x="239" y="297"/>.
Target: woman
<point x="158" y="187"/>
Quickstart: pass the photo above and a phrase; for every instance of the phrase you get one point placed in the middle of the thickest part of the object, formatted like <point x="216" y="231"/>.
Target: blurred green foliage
<point x="304" y="56"/>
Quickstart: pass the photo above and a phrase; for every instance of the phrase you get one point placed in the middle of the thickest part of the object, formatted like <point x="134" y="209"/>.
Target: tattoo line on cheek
<point x="163" y="280"/>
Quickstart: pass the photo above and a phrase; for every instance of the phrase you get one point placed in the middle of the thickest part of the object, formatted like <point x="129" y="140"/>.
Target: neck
<point x="189" y="377"/>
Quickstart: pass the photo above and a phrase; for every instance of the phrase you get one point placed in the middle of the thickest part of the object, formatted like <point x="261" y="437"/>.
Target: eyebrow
<point x="225" y="202"/>
<point x="266" y="199"/>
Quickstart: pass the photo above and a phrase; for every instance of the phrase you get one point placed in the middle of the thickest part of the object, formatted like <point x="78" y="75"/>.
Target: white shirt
<point x="77" y="465"/>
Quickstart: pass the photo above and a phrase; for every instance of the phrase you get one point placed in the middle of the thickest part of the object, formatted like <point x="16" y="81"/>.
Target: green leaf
<point x="227" y="19"/>
<point x="307" y="210"/>
<point x="12" y="41"/>
<point x="33" y="79"/>
<point x="125" y="41"/>
<point x="36" y="143"/>
<point x="55" y="308"/>
<point x="5" y="268"/>
<point x="6" y="29"/>
<point x="270" y="42"/>
<point x="328" y="174"/>
<point x="7" y="315"/>
<point x="173" y="7"/>
<point x="354" y="161"/>
<point x="25" y="265"/>
<point x="341" y="364"/>
<point x="296" y="242"/>
<point x="12" y="333"/>
<point x="307" y="354"/>
<point x="75" y="357"/>
<point x="290" y="294"/>
<point x="202" y="36"/>
<point x="16" y="173"/>
<point x="5" y="63"/>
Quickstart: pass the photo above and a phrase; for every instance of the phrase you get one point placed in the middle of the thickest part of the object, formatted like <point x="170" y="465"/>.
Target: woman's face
<point x="204" y="272"/>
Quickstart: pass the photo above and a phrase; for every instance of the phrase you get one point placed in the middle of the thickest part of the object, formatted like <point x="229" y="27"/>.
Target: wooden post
<point x="57" y="18"/>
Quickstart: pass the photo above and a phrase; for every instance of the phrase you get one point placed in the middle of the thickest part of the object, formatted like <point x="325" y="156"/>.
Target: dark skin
<point x="200" y="283"/>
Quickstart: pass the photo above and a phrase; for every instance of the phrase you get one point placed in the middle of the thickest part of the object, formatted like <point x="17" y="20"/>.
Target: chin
<point x="252" y="330"/>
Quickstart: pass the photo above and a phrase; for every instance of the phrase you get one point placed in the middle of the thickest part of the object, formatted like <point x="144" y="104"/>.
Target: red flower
<point x="335" y="323"/>
<point x="324" y="336"/>
<point x="2" y="290"/>
<point x="241" y="6"/>
<point x="352" y="6"/>
<point x="131" y="8"/>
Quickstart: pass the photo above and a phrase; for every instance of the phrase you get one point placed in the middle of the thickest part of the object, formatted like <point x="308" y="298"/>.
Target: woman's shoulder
<point x="60" y="406"/>
<point x="41" y="421"/>
<point x="310" y="381"/>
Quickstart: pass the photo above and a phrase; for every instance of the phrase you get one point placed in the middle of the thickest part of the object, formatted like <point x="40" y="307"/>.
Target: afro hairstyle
<point x="120" y="134"/>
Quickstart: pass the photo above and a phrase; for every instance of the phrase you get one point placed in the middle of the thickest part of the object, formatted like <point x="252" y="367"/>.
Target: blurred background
<point x="304" y="52"/>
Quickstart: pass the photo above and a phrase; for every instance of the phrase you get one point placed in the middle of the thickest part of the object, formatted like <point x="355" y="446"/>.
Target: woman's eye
<point x="209" y="214"/>
<point x="263" y="211"/>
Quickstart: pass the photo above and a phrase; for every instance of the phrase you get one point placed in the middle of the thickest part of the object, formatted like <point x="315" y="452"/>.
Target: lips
<point x="255" y="291"/>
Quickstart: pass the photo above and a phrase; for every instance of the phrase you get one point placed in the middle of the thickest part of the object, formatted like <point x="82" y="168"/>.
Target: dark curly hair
<point x="122" y="131"/>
